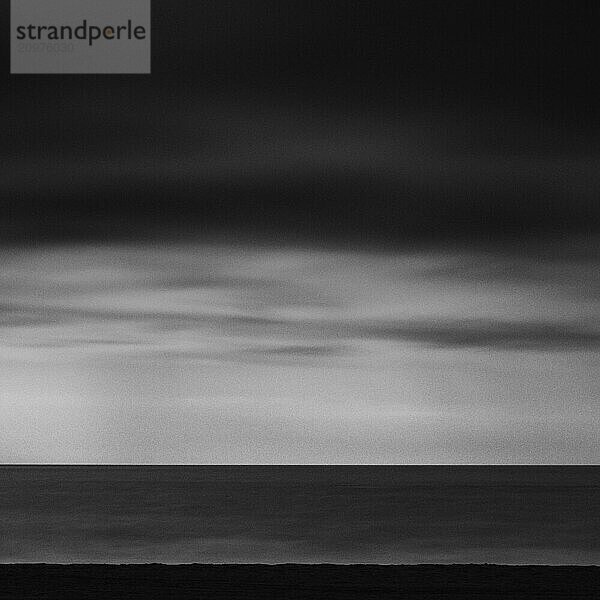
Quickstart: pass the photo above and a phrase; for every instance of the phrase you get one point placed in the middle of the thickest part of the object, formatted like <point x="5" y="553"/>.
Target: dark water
<point x="298" y="582"/>
<point x="300" y="514"/>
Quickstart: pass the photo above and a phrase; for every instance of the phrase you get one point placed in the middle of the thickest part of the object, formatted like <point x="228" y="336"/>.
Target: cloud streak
<point x="237" y="298"/>
<point x="494" y="335"/>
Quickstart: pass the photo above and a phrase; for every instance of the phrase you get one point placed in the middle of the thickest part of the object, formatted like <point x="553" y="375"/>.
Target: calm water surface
<point x="300" y="514"/>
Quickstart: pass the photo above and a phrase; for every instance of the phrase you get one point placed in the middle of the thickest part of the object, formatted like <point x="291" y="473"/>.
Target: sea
<point x="300" y="514"/>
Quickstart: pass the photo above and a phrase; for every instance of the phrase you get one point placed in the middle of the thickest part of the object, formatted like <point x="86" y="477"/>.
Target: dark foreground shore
<point x="297" y="581"/>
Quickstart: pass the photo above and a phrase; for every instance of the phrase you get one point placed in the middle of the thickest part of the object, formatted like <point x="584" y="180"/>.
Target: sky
<point x="208" y="353"/>
<point x="317" y="233"/>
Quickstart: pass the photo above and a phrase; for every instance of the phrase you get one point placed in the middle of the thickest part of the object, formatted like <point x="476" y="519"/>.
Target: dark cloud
<point x="387" y="184"/>
<point x="383" y="123"/>
<point x="304" y="351"/>
<point x="498" y="335"/>
<point x="15" y="316"/>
